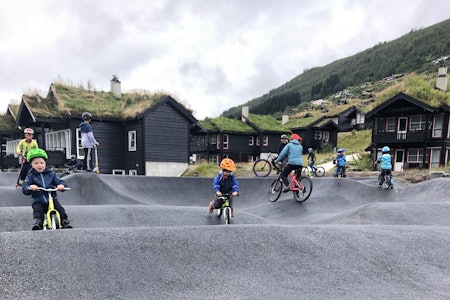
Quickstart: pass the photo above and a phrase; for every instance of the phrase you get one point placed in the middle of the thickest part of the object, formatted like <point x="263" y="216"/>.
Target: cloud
<point x="211" y="55"/>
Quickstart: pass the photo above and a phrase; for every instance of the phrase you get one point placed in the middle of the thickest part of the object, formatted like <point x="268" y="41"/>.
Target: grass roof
<point x="301" y="122"/>
<point x="231" y="125"/>
<point x="63" y="99"/>
<point x="267" y="123"/>
<point x="7" y="123"/>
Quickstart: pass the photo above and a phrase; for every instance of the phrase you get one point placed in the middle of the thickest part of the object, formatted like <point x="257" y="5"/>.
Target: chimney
<point x="244" y="113"/>
<point x="115" y="87"/>
<point x="284" y="119"/>
<point x="442" y="79"/>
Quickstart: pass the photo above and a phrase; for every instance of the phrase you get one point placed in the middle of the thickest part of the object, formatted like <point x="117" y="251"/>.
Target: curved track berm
<point x="151" y="238"/>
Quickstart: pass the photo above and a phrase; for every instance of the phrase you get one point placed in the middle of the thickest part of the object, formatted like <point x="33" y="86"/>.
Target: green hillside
<point x="420" y="52"/>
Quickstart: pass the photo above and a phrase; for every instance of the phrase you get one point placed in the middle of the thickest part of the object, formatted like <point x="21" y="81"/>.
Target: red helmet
<point x="295" y="136"/>
<point x="28" y="130"/>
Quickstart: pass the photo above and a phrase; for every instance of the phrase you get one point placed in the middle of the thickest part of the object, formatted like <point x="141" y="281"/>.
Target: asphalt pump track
<point x="138" y="237"/>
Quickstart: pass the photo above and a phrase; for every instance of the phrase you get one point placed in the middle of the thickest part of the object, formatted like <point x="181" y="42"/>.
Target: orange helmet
<point x="228" y="164"/>
<point x="295" y="136"/>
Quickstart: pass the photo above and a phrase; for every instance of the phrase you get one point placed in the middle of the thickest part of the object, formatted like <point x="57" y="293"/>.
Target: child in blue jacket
<point x="386" y="165"/>
<point x="40" y="176"/>
<point x="225" y="183"/>
<point x="341" y="162"/>
<point x="294" y="153"/>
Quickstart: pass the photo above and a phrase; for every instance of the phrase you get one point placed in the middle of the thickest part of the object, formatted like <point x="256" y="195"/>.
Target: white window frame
<point x="11" y="147"/>
<point x="265" y="140"/>
<point x="391" y="125"/>
<point x="438" y="121"/>
<point x="258" y="141"/>
<point x="415" y="155"/>
<point x="415" y="124"/>
<point x="132" y="140"/>
<point x="225" y="141"/>
<point x="59" y="141"/>
<point x="212" y="139"/>
<point x="251" y="140"/>
<point x="80" y="150"/>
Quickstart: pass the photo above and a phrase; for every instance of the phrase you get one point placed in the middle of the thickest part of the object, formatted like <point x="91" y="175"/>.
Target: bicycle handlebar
<point x="52" y="189"/>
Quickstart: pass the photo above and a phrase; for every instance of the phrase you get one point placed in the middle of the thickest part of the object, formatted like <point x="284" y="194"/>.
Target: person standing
<point x="88" y="141"/>
<point x="25" y="145"/>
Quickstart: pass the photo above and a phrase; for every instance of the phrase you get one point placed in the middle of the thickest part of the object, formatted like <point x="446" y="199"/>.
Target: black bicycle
<point x="263" y="167"/>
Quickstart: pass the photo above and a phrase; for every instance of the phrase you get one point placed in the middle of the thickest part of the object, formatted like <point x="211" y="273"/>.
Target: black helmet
<point x="86" y="116"/>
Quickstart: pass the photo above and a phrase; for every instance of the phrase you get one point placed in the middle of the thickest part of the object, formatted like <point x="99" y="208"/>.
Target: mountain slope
<point x="418" y="51"/>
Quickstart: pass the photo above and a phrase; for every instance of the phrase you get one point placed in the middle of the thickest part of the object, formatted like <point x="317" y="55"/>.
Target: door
<point x="401" y="128"/>
<point x="399" y="159"/>
<point x="434" y="159"/>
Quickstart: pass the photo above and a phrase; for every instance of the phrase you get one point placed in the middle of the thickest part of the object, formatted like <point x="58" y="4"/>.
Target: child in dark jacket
<point x="40" y="176"/>
<point x="225" y="183"/>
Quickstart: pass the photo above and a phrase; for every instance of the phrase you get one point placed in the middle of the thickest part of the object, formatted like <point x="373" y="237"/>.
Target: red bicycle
<point x="300" y="186"/>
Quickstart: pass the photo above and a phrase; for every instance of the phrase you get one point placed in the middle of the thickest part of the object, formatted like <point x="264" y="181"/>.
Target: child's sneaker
<point x="286" y="189"/>
<point x="36" y="227"/>
<point x="65" y="224"/>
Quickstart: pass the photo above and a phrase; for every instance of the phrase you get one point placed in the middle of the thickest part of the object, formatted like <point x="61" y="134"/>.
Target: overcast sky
<point x="209" y="54"/>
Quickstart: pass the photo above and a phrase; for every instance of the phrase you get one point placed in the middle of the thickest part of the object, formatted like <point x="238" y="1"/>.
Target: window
<point x="59" y="141"/>
<point x="417" y="122"/>
<point x="11" y="147"/>
<point x="212" y="139"/>
<point x="265" y="140"/>
<point x="258" y="141"/>
<point x="251" y="141"/>
<point x="225" y="141"/>
<point x="437" y="126"/>
<point x="390" y="124"/>
<point x="415" y="155"/>
<point x="322" y="135"/>
<point x="132" y="140"/>
<point x="212" y="159"/>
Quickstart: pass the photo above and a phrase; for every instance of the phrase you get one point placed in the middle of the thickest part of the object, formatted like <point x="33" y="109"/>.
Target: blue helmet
<point x="340" y="150"/>
<point x="310" y="150"/>
<point x="385" y="149"/>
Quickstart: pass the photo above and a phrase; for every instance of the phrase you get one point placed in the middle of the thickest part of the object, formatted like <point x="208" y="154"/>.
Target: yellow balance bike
<point x="52" y="219"/>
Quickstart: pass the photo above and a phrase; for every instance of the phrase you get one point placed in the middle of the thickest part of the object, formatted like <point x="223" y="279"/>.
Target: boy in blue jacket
<point x="40" y="176"/>
<point x="225" y="183"/>
<point x="294" y="152"/>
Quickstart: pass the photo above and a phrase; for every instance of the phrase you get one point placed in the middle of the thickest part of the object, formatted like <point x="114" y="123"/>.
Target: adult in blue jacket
<point x="294" y="152"/>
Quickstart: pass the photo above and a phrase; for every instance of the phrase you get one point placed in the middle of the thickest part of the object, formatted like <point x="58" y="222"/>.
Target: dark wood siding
<point x="166" y="134"/>
<point x="111" y="150"/>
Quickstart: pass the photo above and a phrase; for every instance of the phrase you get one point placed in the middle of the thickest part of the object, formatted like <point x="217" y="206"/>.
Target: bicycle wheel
<point x="303" y="195"/>
<point x="262" y="168"/>
<point x="227" y="215"/>
<point x="320" y="171"/>
<point x="275" y="190"/>
<point x="55" y="222"/>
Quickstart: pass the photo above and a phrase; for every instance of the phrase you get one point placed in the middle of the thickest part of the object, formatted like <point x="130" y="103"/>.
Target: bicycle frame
<point x="296" y="186"/>
<point x="225" y="209"/>
<point x="52" y="218"/>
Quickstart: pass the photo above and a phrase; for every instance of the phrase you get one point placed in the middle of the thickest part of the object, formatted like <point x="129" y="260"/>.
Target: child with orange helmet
<point x="294" y="152"/>
<point x="225" y="183"/>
